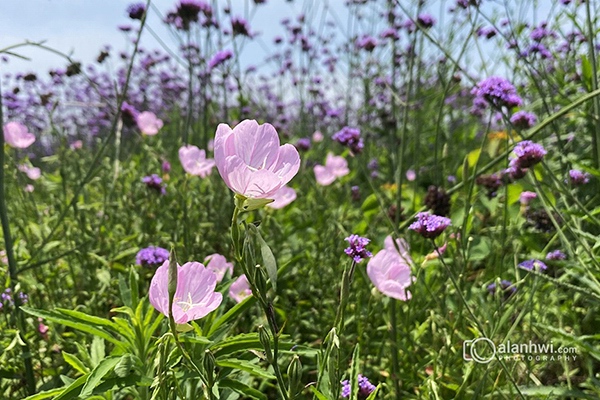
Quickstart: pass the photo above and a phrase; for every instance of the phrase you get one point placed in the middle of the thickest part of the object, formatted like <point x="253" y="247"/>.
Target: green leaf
<point x="354" y="373"/>
<point x="373" y="394"/>
<point x="125" y="365"/>
<point x="75" y="363"/>
<point x="45" y="394"/>
<point x="243" y="342"/>
<point x="75" y="323"/>
<point x="73" y="389"/>
<point x="316" y="392"/>
<point x="242" y="389"/>
<point x="247" y="366"/>
<point x="97" y="350"/>
<point x="267" y="256"/>
<point x="94" y="378"/>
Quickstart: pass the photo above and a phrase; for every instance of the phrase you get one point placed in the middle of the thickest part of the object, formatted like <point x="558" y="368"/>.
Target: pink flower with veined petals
<point x="240" y="289"/>
<point x="283" y="197"/>
<point x="17" y="136"/>
<point x="195" y="296"/>
<point x="219" y="265"/>
<point x="335" y="167"/>
<point x="389" y="270"/>
<point x="194" y="161"/>
<point x="148" y="123"/>
<point x="251" y="161"/>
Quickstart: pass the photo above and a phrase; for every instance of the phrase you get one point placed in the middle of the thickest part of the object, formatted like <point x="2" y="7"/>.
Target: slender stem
<point x="596" y="102"/>
<point x="394" y="345"/>
<point x="12" y="268"/>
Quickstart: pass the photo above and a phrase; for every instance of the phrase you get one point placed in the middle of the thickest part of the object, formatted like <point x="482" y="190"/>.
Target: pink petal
<point x="159" y="289"/>
<point x="257" y="145"/>
<point x="283" y="197"/>
<point x="288" y="163"/>
<point x="148" y="123"/>
<point x="323" y="175"/>
<point x="240" y="289"/>
<point x="223" y="133"/>
<point x="219" y="265"/>
<point x="17" y="136"/>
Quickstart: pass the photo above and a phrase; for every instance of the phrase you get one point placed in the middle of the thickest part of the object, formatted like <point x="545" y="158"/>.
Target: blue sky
<point x="84" y="26"/>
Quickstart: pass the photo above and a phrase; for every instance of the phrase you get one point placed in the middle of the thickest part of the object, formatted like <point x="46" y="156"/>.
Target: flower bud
<point x="265" y="340"/>
<point x="209" y="366"/>
<point x="294" y="377"/>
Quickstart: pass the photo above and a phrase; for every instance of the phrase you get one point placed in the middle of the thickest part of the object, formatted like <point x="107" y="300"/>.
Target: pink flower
<point x="17" y="136"/>
<point x="219" y="265"/>
<point x="32" y="173"/>
<point x="76" y="145"/>
<point x="389" y="270"/>
<point x="194" y="161"/>
<point x="240" y="289"/>
<point x="411" y="175"/>
<point x="317" y="137"/>
<point x="195" y="296"/>
<point x="251" y="161"/>
<point x="148" y="123"/>
<point x="29" y="188"/>
<point x="283" y="197"/>
<point x="335" y="167"/>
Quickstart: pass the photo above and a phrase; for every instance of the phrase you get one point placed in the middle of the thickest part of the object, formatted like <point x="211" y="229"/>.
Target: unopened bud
<point x="294" y="377"/>
<point x="265" y="340"/>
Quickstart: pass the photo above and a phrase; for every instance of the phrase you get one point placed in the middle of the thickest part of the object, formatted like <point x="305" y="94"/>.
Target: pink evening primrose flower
<point x="32" y="173"/>
<point x="389" y="270"/>
<point x="240" y="289"/>
<point x="283" y="197"/>
<point x="219" y="265"/>
<point x="17" y="136"/>
<point x="195" y="296"/>
<point x="335" y="167"/>
<point x="251" y="160"/>
<point x="194" y="161"/>
<point x="148" y="123"/>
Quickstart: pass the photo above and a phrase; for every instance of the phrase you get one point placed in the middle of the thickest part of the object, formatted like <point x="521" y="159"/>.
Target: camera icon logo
<point x="481" y="350"/>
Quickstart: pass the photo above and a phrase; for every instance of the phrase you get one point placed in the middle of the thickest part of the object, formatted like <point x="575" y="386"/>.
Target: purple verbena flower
<point x="303" y="144"/>
<point x="219" y="58"/>
<point x="528" y="154"/>
<point x="533" y="264"/>
<point x="365" y="388"/>
<point x="556" y="255"/>
<point x="367" y="43"/>
<point x="129" y="115"/>
<point x="430" y="225"/>
<point x="136" y="10"/>
<point x="523" y="120"/>
<point x="152" y="256"/>
<point x="350" y="137"/>
<point x="577" y="177"/>
<point x="357" y="250"/>
<point x="497" y="91"/>
<point x="155" y="182"/>
<point x="425" y="20"/>
<point x="240" y="26"/>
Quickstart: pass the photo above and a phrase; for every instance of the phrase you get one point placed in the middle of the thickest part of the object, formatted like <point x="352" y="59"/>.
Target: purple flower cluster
<point x="523" y="120"/>
<point x="6" y="299"/>
<point x="155" y="182"/>
<point x="357" y="249"/>
<point x="239" y="26"/>
<point x="152" y="256"/>
<point x="577" y="177"/>
<point x="303" y="144"/>
<point x="136" y="10"/>
<point x="425" y="20"/>
<point x="129" y="115"/>
<point x="496" y="91"/>
<point x="533" y="264"/>
<point x="367" y="43"/>
<point x="556" y="255"/>
<point x="219" y="58"/>
<point x="528" y="154"/>
<point x="430" y="225"/>
<point x="350" y="137"/>
<point x="188" y="12"/>
<point x="365" y="388"/>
